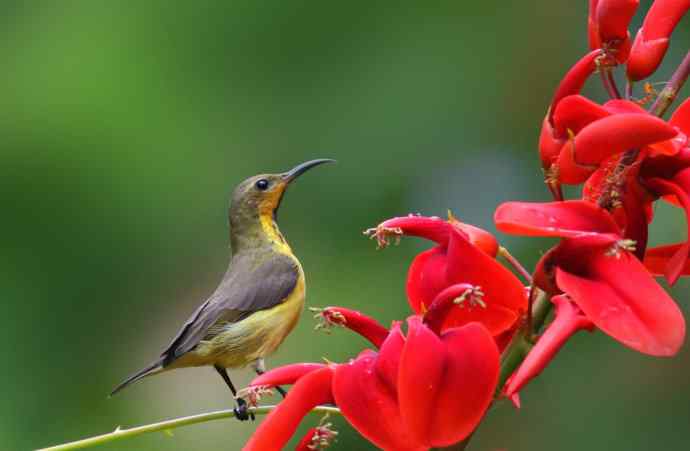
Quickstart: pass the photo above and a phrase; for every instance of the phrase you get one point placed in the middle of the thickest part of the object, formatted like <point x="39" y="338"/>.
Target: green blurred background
<point x="124" y="126"/>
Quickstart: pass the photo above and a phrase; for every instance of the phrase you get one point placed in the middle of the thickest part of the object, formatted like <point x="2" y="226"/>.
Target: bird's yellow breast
<point x="254" y="337"/>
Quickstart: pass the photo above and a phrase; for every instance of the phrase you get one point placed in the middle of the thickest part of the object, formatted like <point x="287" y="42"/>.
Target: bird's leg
<point x="260" y="368"/>
<point x="241" y="412"/>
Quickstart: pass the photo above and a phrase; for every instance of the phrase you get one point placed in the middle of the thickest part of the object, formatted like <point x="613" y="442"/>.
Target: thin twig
<point x="670" y="91"/>
<point x="609" y="82"/>
<point x="167" y="425"/>
<point x="515" y="263"/>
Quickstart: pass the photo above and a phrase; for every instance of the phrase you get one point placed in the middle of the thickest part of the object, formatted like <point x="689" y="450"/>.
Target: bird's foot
<point x="282" y="391"/>
<point x="242" y="412"/>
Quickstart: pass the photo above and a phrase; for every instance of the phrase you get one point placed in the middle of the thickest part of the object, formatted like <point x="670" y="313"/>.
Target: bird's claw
<point x="242" y="412"/>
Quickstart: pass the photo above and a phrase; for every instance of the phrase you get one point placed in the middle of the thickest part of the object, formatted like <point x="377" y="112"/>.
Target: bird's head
<point x="259" y="197"/>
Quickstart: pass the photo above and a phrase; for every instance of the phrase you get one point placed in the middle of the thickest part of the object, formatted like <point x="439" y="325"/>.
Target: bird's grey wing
<point x="243" y="291"/>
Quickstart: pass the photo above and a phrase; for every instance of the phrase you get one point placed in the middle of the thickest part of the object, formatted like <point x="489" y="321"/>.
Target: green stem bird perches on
<point x="167" y="425"/>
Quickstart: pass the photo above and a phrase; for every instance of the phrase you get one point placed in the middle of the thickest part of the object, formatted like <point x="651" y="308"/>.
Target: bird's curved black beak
<point x="300" y="169"/>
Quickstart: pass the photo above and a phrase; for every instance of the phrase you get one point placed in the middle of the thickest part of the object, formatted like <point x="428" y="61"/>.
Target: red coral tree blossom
<point x="431" y="385"/>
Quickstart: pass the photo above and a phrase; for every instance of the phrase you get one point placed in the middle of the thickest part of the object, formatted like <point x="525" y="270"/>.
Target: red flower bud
<point x="574" y="80"/>
<point x="613" y="18"/>
<point x="652" y="39"/>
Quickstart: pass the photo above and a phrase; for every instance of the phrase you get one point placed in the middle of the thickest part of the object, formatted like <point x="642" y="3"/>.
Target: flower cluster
<point x="428" y="387"/>
<point x="600" y="275"/>
<point x="476" y="333"/>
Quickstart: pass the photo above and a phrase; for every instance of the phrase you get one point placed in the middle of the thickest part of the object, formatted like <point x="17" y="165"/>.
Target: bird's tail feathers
<point x="153" y="368"/>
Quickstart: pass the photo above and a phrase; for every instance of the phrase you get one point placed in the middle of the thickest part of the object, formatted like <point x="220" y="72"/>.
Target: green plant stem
<point x="119" y="433"/>
<point x="670" y="91"/>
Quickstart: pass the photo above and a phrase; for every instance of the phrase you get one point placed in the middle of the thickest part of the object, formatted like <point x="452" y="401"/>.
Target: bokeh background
<point x="125" y="125"/>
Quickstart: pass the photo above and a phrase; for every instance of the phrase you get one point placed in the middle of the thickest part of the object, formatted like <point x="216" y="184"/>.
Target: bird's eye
<point x="262" y="184"/>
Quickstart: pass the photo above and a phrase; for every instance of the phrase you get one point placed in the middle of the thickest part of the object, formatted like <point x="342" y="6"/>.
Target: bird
<point x="259" y="300"/>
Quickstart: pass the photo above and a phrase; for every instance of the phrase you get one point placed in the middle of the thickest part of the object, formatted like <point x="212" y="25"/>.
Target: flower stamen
<point x="620" y="246"/>
<point x="382" y="235"/>
<point x="327" y="319"/>
<point x="472" y="296"/>
<point x="254" y="393"/>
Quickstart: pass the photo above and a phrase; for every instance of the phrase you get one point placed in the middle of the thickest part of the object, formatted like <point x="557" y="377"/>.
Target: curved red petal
<point x="549" y="144"/>
<point x="504" y="295"/>
<point x="457" y="373"/>
<point x="444" y="302"/>
<point x="388" y="360"/>
<point x="575" y="112"/>
<point x="468" y="383"/>
<point x="623" y="300"/>
<point x="369" y="404"/>
<point x="568" y="320"/>
<point x="657" y="259"/>
<point x="431" y="228"/>
<point x="681" y="117"/>
<point x="279" y="426"/>
<point x="622" y="106"/>
<point x="616" y="134"/>
<point x="574" y="79"/>
<point x="613" y="18"/>
<point x="478" y="237"/>
<point x="661" y="186"/>
<point x="567" y="219"/>
<point x="593" y="26"/>
<point x="422" y="365"/>
<point x="652" y="39"/>
<point x="285" y="375"/>
<point x="358" y="322"/>
<point x="426" y="278"/>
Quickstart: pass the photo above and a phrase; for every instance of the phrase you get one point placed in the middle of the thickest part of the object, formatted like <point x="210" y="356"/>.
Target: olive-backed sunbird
<point x="259" y="300"/>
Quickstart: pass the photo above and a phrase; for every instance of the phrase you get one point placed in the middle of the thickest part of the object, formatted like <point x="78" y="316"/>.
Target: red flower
<point x="651" y="42"/>
<point x="608" y="26"/>
<point x="463" y="255"/>
<point x="607" y="137"/>
<point x="568" y="320"/>
<point x="669" y="176"/>
<point x="407" y="396"/>
<point x="594" y="266"/>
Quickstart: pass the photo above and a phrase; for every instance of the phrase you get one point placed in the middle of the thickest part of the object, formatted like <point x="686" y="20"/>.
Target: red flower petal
<point x="568" y="320"/>
<point x="575" y="112"/>
<point x="613" y="17"/>
<point x="549" y="144"/>
<point x="616" y="134"/>
<point x="504" y="295"/>
<point x="621" y="106"/>
<point x="621" y="298"/>
<point x="431" y="228"/>
<point x="455" y="374"/>
<point x="285" y="375"/>
<point x="651" y="42"/>
<point x="661" y="186"/>
<point x="593" y="26"/>
<point x="275" y="431"/>
<point x="574" y="79"/>
<point x="681" y="117"/>
<point x="358" y="322"/>
<point x="388" y="360"/>
<point x="657" y="260"/>
<point x="370" y="404"/>
<point x="425" y="278"/>
<point x="567" y="219"/>
<point x="444" y="303"/>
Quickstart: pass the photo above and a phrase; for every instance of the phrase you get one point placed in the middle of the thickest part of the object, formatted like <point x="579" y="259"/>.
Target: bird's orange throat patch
<point x="267" y="208"/>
